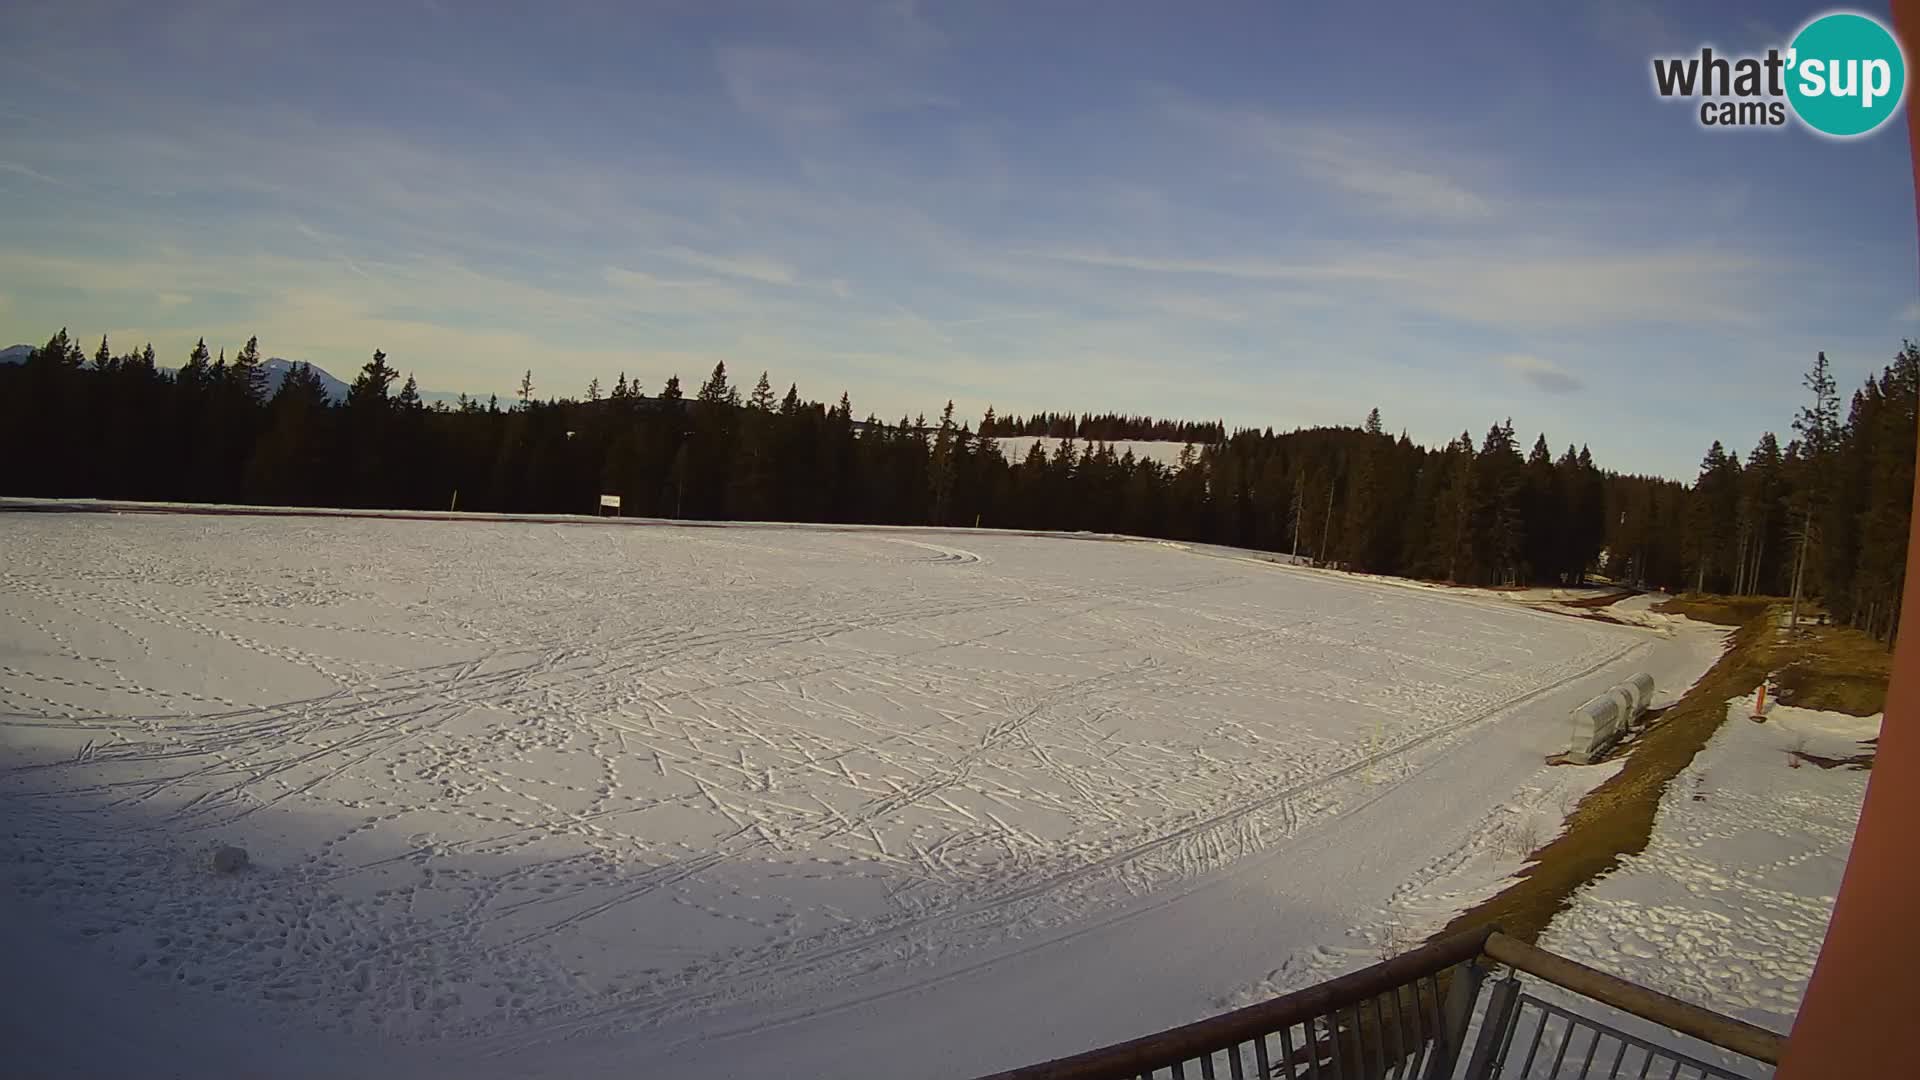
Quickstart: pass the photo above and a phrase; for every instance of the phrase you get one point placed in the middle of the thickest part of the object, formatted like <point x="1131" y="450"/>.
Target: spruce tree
<point x="194" y="373"/>
<point x="246" y="375"/>
<point x="716" y="391"/>
<point x="1818" y="426"/>
<point x="1498" y="532"/>
<point x="369" y="392"/>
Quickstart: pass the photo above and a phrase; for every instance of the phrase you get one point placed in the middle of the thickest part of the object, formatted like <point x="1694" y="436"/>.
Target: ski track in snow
<point x="534" y="780"/>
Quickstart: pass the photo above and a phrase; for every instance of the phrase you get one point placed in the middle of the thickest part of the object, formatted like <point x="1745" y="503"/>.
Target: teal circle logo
<point x="1845" y="74"/>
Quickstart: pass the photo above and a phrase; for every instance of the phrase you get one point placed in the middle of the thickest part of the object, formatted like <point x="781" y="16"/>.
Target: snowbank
<point x="1729" y="903"/>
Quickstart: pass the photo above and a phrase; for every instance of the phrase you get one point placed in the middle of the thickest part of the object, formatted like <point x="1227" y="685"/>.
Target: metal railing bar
<point x="1260" y="1057"/>
<point x="1620" y="1056"/>
<point x="1688" y="1019"/>
<point x="1535" y="1049"/>
<point x="1592" y="1048"/>
<point x="1234" y="1068"/>
<point x="1583" y="1021"/>
<point x="1206" y="1066"/>
<point x="1512" y="1020"/>
<point x="1565" y="1045"/>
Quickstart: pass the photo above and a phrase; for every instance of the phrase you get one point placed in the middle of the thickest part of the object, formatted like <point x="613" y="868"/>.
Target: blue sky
<point x="1238" y="210"/>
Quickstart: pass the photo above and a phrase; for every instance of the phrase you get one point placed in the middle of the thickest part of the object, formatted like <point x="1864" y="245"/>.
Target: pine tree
<point x="1363" y="529"/>
<point x="194" y="373"/>
<point x="1715" y="510"/>
<point x="1543" y="516"/>
<point x="1453" y="510"/>
<point x="671" y="391"/>
<point x="1888" y="449"/>
<point x="984" y="444"/>
<point x="790" y="404"/>
<point x="246" y="375"/>
<point x="409" y="399"/>
<point x="60" y="351"/>
<point x="1758" y="513"/>
<point x="1819" y="437"/>
<point x="1498" y="531"/>
<point x="302" y="389"/>
<point x="943" y="470"/>
<point x="593" y="389"/>
<point x="103" y="361"/>
<point x="620" y="390"/>
<point x="716" y="391"/>
<point x="762" y="398"/>
<point x="369" y="392"/>
<point x="525" y="393"/>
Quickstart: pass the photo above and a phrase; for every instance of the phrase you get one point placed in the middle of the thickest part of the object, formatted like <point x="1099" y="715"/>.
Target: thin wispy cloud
<point x="1497" y="288"/>
<point x="1372" y="174"/>
<point x="1378" y="170"/>
<point x="751" y="267"/>
<point x="1540" y="374"/>
<point x="17" y="169"/>
<point x="892" y="199"/>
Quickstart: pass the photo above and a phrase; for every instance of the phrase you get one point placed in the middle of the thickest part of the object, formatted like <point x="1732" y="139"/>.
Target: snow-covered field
<point x="1015" y="448"/>
<point x="1729" y="903"/>
<point x="535" y="798"/>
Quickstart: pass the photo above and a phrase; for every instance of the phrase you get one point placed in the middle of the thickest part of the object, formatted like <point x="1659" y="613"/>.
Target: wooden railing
<point x="1407" y="1017"/>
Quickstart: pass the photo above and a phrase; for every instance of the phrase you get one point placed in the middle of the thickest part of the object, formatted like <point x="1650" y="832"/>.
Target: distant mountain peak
<point x="277" y="369"/>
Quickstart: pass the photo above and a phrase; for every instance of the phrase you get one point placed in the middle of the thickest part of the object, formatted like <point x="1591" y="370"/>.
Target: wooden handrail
<point x="1681" y="1016"/>
<point x="1142" y="1055"/>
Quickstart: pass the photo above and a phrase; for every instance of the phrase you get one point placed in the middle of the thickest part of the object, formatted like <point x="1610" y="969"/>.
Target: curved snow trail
<point x="620" y="792"/>
<point x="946" y="554"/>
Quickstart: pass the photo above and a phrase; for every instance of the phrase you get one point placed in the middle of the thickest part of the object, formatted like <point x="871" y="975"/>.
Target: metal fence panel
<point x="1528" y="1038"/>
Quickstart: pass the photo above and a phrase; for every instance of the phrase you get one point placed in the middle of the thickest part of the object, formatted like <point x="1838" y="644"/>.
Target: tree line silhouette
<point x="1829" y="508"/>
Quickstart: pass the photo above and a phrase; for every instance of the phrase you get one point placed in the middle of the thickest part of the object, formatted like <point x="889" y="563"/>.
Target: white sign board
<point x="610" y="501"/>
